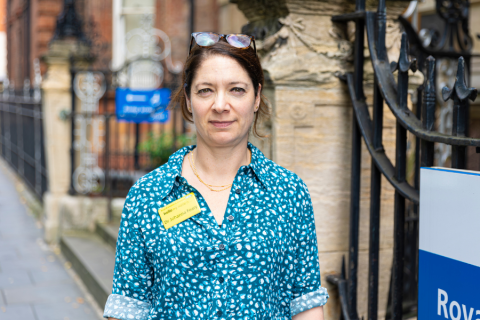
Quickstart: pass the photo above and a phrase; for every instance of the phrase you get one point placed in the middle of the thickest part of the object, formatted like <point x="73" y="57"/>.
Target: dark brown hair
<point x="247" y="58"/>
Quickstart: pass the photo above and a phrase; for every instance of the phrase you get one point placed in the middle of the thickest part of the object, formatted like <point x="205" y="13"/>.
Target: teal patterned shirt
<point x="261" y="263"/>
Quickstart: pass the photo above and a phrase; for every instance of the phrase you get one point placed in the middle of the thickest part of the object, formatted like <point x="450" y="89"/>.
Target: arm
<point x="308" y="295"/>
<point x="311" y="314"/>
<point x="133" y="275"/>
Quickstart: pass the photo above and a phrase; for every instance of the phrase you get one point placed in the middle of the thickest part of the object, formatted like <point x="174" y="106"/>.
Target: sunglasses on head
<point x="237" y="40"/>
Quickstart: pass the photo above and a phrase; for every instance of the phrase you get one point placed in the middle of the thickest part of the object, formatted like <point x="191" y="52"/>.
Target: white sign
<point x="449" y="255"/>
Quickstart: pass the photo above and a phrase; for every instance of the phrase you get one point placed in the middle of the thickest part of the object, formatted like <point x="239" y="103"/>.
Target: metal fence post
<point x="460" y="94"/>
<point x="38" y="149"/>
<point x="72" y="120"/>
<point x="428" y="112"/>
<point x="108" y="187"/>
<point x="356" y="168"/>
<point x="375" y="178"/>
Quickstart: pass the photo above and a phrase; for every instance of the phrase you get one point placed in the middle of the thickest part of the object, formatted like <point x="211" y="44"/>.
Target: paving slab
<point x="15" y="278"/>
<point x="50" y="276"/>
<point x="35" y="281"/>
<point x="37" y="249"/>
<point x="40" y="294"/>
<point x="8" y="253"/>
<point x="17" y="312"/>
<point x="15" y="230"/>
<point x="75" y="309"/>
<point x="27" y="263"/>
<point x="2" y="299"/>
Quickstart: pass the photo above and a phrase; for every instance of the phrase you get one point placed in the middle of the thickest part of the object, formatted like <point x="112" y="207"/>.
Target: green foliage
<point x="160" y="147"/>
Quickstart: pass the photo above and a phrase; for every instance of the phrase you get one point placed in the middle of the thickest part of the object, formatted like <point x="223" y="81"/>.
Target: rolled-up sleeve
<point x="131" y="296"/>
<point x="307" y="290"/>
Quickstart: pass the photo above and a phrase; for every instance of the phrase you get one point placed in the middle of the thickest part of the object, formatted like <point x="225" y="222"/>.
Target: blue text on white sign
<point x="142" y="105"/>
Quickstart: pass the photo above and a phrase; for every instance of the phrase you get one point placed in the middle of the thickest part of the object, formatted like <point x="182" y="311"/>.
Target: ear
<point x="189" y="104"/>
<point x="258" y="97"/>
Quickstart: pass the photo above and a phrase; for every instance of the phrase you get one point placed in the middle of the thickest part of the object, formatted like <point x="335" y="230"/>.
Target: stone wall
<point x="310" y="128"/>
<point x="56" y="97"/>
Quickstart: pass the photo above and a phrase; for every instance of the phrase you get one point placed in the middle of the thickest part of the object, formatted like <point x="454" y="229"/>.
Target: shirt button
<point x="222" y="246"/>
<point x="230" y="218"/>
<point x="219" y="313"/>
<point x="221" y="279"/>
<point x="237" y="191"/>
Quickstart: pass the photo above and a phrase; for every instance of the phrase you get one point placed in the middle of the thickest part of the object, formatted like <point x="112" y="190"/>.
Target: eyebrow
<point x="230" y="83"/>
<point x="238" y="82"/>
<point x="204" y="83"/>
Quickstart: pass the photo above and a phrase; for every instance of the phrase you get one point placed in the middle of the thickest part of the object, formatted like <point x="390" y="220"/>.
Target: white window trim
<point x="118" y="30"/>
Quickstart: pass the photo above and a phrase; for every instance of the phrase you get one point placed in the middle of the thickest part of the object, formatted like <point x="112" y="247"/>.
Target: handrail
<point x="378" y="155"/>
<point x="388" y="89"/>
<point x="415" y="40"/>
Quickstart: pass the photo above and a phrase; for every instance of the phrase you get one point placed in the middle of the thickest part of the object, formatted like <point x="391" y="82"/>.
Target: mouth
<point x="221" y="124"/>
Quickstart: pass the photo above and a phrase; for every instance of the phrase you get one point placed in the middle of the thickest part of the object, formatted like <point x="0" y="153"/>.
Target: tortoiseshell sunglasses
<point x="207" y="39"/>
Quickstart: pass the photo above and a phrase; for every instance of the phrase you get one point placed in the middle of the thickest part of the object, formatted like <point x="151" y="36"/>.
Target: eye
<point x="204" y="91"/>
<point x="238" y="90"/>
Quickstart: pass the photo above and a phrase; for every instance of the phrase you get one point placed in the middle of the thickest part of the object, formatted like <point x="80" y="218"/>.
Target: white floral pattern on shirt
<point x="261" y="263"/>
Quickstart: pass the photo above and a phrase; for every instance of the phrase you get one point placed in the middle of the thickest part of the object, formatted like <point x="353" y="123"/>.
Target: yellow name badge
<point x="179" y="210"/>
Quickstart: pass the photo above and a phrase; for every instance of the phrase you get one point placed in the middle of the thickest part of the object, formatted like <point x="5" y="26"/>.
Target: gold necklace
<point x="209" y="186"/>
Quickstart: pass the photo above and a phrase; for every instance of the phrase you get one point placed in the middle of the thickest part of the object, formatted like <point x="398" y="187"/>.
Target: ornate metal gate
<point x="105" y="155"/>
<point x="419" y="123"/>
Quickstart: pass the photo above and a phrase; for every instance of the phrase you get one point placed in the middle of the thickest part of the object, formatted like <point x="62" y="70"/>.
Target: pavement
<point x="36" y="283"/>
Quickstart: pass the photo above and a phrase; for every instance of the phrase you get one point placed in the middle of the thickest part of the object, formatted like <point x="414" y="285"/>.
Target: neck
<point x="220" y="164"/>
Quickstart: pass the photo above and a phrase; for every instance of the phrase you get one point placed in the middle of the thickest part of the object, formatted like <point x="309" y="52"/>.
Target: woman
<point x="220" y="231"/>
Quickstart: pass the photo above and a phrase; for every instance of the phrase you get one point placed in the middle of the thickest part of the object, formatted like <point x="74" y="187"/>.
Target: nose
<point x="221" y="103"/>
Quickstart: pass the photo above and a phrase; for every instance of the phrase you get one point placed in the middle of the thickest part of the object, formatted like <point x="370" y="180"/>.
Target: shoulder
<point x="149" y="180"/>
<point x="153" y="178"/>
<point x="282" y="179"/>
<point x="163" y="177"/>
<point x="291" y="195"/>
<point x="158" y="183"/>
<point x="145" y="192"/>
<point x="275" y="178"/>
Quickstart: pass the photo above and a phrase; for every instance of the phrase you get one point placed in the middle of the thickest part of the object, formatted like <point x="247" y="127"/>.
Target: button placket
<point x="223" y="242"/>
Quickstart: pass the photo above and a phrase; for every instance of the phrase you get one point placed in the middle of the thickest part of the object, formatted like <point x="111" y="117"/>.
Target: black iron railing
<point x="111" y="162"/>
<point x="394" y="92"/>
<point x="106" y="154"/>
<point x="21" y="137"/>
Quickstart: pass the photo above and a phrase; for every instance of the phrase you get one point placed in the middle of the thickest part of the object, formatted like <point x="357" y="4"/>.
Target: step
<point x="108" y="232"/>
<point x="93" y="260"/>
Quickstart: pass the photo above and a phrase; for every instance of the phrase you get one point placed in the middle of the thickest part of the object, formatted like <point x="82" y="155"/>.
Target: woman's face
<point x="222" y="102"/>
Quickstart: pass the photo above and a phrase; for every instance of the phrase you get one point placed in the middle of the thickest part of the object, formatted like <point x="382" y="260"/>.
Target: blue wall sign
<point x="449" y="255"/>
<point x="142" y="105"/>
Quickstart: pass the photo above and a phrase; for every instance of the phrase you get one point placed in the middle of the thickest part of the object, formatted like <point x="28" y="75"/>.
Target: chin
<point x="225" y="138"/>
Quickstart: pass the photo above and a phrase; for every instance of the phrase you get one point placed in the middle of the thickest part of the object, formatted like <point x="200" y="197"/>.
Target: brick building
<point x="3" y="41"/>
<point x="30" y="26"/>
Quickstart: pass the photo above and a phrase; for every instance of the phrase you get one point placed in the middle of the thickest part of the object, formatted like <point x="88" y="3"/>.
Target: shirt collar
<point x="258" y="165"/>
<point x="173" y="168"/>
